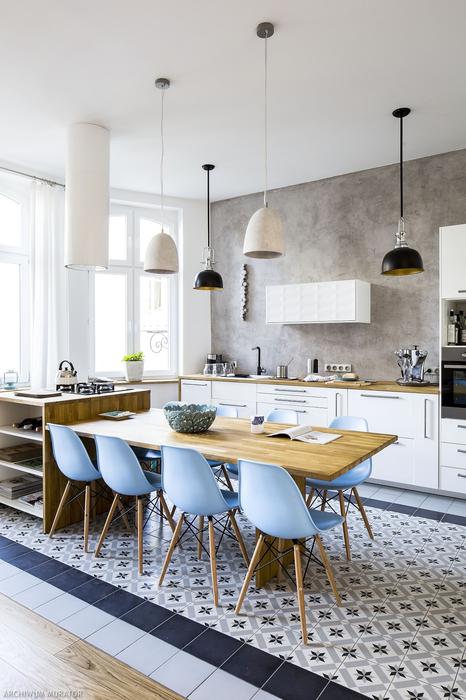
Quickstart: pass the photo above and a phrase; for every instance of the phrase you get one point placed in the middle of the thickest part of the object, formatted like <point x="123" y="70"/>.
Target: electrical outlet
<point x="337" y="367"/>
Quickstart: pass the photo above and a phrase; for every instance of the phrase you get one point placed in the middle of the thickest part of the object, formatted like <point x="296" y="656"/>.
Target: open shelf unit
<point x="19" y="505"/>
<point x="20" y="433"/>
<point x="20" y="467"/>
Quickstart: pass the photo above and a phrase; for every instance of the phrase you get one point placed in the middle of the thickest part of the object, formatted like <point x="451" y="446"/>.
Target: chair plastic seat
<point x="346" y="481"/>
<point x="233" y="469"/>
<point x="144" y="454"/>
<point x="232" y="499"/>
<point x="214" y="464"/>
<point x="154" y="479"/>
<point x="326" y="519"/>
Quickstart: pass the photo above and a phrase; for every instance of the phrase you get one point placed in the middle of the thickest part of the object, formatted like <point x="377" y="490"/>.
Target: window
<point x="14" y="276"/>
<point x="132" y="310"/>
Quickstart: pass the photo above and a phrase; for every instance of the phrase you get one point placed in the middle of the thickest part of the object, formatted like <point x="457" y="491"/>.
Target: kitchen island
<point x="66" y="408"/>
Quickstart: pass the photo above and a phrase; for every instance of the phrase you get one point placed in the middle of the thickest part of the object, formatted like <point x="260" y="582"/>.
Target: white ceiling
<point x="337" y="69"/>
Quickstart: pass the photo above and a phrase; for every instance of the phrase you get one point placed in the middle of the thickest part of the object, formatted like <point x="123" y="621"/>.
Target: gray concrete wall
<point x="340" y="228"/>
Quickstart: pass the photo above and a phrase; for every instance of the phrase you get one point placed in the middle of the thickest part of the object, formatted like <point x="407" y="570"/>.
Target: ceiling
<point x="336" y="71"/>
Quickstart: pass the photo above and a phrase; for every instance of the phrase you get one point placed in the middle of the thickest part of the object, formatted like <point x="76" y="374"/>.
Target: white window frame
<point x="134" y="270"/>
<point x="19" y="191"/>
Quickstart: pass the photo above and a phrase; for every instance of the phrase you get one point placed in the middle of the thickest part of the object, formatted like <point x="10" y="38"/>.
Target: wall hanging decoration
<point x="401" y="260"/>
<point x="87" y="197"/>
<point x="208" y="279"/>
<point x="244" y="292"/>
<point x="264" y="234"/>
<point x="161" y="257"/>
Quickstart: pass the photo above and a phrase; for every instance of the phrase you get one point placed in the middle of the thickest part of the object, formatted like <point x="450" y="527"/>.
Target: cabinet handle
<point x="454" y="366"/>
<point x="376" y="396"/>
<point x="461" y="426"/>
<point x="462" y="451"/>
<point x="194" y="384"/>
<point x="461" y="476"/>
<point x="291" y="391"/>
<point x="290" y="400"/>
<point x="426" y="403"/>
<point x="461" y="291"/>
<point x="300" y="410"/>
<point x="238" y="405"/>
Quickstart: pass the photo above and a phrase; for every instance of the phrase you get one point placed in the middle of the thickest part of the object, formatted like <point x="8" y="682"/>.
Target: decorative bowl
<point x="189" y="417"/>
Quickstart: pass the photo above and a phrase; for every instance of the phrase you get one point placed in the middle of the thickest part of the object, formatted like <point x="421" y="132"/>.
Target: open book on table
<point x="305" y="433"/>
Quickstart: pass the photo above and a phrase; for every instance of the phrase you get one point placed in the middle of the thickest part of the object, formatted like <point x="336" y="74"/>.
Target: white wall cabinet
<point x="342" y="301"/>
<point x="452" y="258"/>
<point x="196" y="391"/>
<point x="413" y="460"/>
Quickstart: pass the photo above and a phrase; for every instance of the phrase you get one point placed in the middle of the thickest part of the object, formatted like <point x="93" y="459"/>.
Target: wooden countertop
<point x="381" y="385"/>
<point x="9" y="396"/>
<point x="231" y="439"/>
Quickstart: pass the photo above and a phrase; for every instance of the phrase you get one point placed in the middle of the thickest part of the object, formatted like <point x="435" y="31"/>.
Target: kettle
<point x="66" y="375"/>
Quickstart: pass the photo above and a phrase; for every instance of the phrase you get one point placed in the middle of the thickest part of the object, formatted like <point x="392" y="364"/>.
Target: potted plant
<point x="134" y="366"/>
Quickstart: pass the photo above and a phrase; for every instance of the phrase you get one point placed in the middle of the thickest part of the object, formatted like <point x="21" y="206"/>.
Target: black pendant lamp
<point x="402" y="260"/>
<point x="208" y="279"/>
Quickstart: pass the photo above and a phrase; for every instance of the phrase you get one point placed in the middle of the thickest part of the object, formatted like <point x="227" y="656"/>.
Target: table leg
<point x="270" y="567"/>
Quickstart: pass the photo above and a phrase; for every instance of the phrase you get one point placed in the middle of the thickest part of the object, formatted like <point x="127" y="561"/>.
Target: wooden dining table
<point x="230" y="439"/>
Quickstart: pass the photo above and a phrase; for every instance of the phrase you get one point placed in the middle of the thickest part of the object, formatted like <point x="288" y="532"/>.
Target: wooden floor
<point x="36" y="655"/>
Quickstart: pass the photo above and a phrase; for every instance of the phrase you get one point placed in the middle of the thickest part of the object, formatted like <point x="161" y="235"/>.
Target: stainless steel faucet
<point x="259" y="369"/>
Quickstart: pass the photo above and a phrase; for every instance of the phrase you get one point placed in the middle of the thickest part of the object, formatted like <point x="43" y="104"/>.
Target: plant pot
<point x="134" y="370"/>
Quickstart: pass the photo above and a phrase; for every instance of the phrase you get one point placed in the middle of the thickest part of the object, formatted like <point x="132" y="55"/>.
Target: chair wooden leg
<point x="108" y="520"/>
<point x="166" y="511"/>
<point x="60" y="508"/>
<point x="140" y="516"/>
<point x="324" y="499"/>
<point x="239" y="536"/>
<point x="300" y="589"/>
<point x="171" y="548"/>
<point x="200" y="534"/>
<point x="328" y="569"/>
<point x="87" y="513"/>
<point x="362" y="510"/>
<point x="310" y="497"/>
<point x="344" y="525"/>
<point x="213" y="560"/>
<point x="250" y="572"/>
<point x="226" y="477"/>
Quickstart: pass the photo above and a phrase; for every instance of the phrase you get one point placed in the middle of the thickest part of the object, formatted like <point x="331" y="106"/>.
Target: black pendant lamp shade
<point x="208" y="279"/>
<point x="402" y="260"/>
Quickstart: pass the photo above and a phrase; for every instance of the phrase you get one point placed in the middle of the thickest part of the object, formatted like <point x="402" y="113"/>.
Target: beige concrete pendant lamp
<point x="161" y="257"/>
<point x="264" y="234"/>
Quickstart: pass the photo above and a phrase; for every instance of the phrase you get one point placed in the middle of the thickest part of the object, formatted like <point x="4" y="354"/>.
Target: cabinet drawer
<point x="195" y="391"/>
<point x="245" y="409"/>
<point x="453" y="431"/>
<point x="385" y="412"/>
<point x="295" y="400"/>
<point x="306" y="415"/>
<point x="453" y="479"/>
<point x="396" y="463"/>
<point x="234" y="391"/>
<point x="281" y="390"/>
<point x="452" y="455"/>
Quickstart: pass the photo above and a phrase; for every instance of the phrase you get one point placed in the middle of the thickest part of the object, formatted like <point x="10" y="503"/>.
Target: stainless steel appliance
<point x="411" y="362"/>
<point x="95" y="387"/>
<point x="67" y="377"/>
<point x="453" y="392"/>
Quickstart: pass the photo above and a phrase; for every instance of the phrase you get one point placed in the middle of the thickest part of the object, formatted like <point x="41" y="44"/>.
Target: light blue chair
<point x="220" y="468"/>
<point x="189" y="482"/>
<point x="272" y="501"/>
<point x="351" y="480"/>
<point x="123" y="474"/>
<point x="75" y="464"/>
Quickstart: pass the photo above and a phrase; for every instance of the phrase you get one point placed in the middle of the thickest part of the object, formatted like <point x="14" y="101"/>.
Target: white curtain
<point x="49" y="285"/>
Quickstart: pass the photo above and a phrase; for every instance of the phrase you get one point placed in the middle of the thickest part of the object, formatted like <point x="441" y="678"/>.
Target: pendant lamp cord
<point x="208" y="208"/>
<point x="162" y="153"/>
<point x="265" y="119"/>
<point x="401" y="168"/>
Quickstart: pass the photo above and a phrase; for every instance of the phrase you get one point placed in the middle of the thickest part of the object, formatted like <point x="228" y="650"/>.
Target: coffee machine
<point x="411" y="362"/>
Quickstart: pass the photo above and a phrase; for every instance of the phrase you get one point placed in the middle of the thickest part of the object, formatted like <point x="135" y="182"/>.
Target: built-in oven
<point x="453" y="382"/>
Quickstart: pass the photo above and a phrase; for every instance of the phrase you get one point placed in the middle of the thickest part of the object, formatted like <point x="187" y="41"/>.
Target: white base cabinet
<point x="196" y="391"/>
<point x="453" y="455"/>
<point x="413" y="460"/>
<point x="314" y="406"/>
